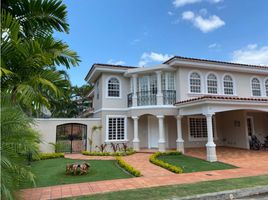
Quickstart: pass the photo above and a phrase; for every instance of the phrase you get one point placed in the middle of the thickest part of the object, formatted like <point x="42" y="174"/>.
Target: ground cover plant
<point x="190" y="164"/>
<point x="52" y="172"/>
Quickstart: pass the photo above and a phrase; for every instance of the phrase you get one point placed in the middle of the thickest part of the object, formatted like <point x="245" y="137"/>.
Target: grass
<point x="169" y="192"/>
<point x="191" y="164"/>
<point x="52" y="172"/>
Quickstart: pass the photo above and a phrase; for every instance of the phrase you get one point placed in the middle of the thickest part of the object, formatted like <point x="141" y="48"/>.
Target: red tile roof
<point x="213" y="61"/>
<point x="211" y="97"/>
<point x="107" y="65"/>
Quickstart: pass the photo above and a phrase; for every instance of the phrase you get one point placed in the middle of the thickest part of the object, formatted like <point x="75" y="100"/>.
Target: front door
<point x="152" y="132"/>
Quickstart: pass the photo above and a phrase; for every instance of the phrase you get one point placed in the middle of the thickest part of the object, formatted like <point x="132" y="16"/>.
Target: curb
<point x="228" y="194"/>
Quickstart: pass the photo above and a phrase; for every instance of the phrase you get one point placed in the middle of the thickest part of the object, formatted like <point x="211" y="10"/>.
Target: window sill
<point x="115" y="141"/>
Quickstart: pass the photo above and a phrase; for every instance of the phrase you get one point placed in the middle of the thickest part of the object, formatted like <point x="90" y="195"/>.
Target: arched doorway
<point x="71" y="137"/>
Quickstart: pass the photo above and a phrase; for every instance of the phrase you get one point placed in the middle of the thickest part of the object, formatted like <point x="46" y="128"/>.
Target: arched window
<point x="113" y="87"/>
<point x="212" y="84"/>
<point x="266" y="87"/>
<point x="256" y="87"/>
<point x="195" y="83"/>
<point x="228" y="85"/>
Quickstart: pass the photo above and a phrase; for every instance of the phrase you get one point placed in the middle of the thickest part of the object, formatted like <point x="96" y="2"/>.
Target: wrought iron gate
<point x="71" y="137"/>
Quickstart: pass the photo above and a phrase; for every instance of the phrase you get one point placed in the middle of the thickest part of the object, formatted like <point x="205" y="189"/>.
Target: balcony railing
<point x="145" y="98"/>
<point x="169" y="97"/>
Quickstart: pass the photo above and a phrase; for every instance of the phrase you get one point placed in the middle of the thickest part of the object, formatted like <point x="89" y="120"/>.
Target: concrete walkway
<point x="156" y="176"/>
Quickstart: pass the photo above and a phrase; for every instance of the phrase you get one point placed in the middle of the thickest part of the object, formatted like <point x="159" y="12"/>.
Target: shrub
<point x="97" y="153"/>
<point x="45" y="156"/>
<point x="127" y="167"/>
<point x="154" y="159"/>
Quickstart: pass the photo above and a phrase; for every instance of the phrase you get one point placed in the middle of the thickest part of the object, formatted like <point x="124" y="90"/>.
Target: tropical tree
<point x="30" y="80"/>
<point x="30" y="54"/>
<point x="17" y="139"/>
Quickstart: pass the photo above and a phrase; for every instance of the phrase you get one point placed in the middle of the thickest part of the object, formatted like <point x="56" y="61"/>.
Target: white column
<point x="161" y="129"/>
<point x="179" y="141"/>
<point x="136" y="141"/>
<point x="159" y="96"/>
<point x="134" y="97"/>
<point x="211" y="146"/>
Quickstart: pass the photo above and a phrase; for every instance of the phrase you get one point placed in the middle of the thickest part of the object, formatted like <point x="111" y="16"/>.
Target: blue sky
<point x="147" y="32"/>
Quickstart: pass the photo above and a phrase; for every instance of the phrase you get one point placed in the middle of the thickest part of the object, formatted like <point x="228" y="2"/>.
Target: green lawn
<point x="191" y="164"/>
<point x="52" y="172"/>
<point x="169" y="192"/>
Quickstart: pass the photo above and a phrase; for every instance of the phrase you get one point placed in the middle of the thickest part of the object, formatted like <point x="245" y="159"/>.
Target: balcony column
<point x="211" y="146"/>
<point x="136" y="141"/>
<point x="179" y="141"/>
<point x="134" y="97"/>
<point x="161" y="128"/>
<point x="159" y="96"/>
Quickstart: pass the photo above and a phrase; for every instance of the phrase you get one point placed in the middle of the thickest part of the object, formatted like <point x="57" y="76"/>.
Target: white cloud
<point x="204" y="24"/>
<point x="216" y="1"/>
<point x="213" y="45"/>
<point x="251" y="54"/>
<point x="113" y="62"/>
<point x="187" y="15"/>
<point x="180" y="3"/>
<point x="152" y="57"/>
<point x="170" y="13"/>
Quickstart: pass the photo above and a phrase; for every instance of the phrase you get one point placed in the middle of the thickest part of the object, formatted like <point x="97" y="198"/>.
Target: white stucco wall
<point x="233" y="129"/>
<point x="47" y="129"/>
<point x="242" y="83"/>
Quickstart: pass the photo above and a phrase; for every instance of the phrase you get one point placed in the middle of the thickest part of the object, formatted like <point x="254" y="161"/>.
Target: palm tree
<point x="17" y="139"/>
<point x="29" y="79"/>
<point x="30" y="53"/>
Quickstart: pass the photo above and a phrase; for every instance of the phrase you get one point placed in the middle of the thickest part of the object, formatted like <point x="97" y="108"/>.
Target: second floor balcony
<point x="148" y="98"/>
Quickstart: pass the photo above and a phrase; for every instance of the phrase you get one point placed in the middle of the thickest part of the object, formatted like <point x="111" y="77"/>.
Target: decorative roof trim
<point x="212" y="61"/>
<point x="210" y="97"/>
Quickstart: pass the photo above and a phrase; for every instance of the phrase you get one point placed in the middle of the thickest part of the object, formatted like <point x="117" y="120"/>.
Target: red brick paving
<point x="84" y="157"/>
<point x="246" y="160"/>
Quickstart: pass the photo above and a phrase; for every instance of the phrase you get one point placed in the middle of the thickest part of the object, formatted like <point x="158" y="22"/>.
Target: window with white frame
<point x="113" y="87"/>
<point x="116" y="128"/>
<point x="256" y="87"/>
<point x="228" y="85"/>
<point x="266" y="87"/>
<point x="195" y="83"/>
<point x="198" y="127"/>
<point x="168" y="81"/>
<point x="212" y="84"/>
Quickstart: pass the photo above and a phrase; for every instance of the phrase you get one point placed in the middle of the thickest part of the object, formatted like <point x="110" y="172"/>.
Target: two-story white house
<point x="181" y="103"/>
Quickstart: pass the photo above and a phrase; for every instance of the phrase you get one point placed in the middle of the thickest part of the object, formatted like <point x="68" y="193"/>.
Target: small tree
<point x="90" y="140"/>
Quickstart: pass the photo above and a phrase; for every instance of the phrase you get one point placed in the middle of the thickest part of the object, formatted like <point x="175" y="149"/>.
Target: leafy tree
<point x="75" y="103"/>
<point x="17" y="139"/>
<point x="29" y="79"/>
<point x="30" y="54"/>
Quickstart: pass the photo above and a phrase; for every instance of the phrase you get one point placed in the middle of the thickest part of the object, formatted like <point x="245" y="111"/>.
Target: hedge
<point x="127" y="167"/>
<point x="96" y="153"/>
<point x="154" y="159"/>
<point x="45" y="156"/>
